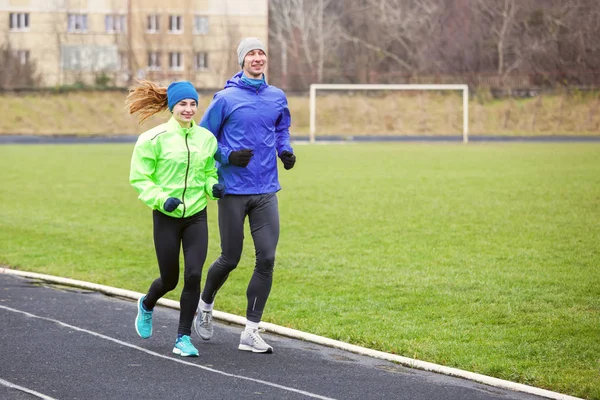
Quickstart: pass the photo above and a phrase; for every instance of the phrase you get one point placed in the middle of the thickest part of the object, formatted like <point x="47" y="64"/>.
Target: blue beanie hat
<point x="178" y="91"/>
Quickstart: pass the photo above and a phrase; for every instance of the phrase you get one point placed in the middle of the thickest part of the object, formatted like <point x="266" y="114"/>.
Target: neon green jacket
<point x="171" y="161"/>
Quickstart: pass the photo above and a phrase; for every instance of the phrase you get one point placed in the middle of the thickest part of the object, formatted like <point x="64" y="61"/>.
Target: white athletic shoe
<point x="250" y="340"/>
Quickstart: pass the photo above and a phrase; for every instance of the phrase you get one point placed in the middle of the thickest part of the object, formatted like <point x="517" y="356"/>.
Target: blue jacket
<point x="243" y="117"/>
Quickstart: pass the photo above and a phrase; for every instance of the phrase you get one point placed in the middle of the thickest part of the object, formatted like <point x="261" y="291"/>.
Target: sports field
<point x="484" y="257"/>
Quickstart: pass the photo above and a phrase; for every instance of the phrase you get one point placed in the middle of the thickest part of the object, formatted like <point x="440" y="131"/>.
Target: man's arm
<point x="282" y="130"/>
<point x="210" y="172"/>
<point x="213" y="120"/>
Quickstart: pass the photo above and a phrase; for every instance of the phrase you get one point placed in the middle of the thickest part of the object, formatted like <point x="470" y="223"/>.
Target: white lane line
<point x="152" y="353"/>
<point x="307" y="337"/>
<point x="24" y="389"/>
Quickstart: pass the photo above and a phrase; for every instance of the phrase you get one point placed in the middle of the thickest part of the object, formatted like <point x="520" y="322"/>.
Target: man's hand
<point x="288" y="159"/>
<point x="218" y="190"/>
<point x="171" y="204"/>
<point x="240" y="158"/>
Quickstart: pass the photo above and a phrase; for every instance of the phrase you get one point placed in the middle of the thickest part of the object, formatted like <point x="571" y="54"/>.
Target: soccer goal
<point x="385" y="87"/>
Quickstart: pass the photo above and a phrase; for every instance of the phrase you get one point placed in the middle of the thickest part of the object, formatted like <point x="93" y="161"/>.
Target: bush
<point x="102" y="80"/>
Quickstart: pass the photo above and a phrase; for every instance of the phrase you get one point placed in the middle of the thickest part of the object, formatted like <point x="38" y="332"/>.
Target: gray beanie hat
<point x="246" y="46"/>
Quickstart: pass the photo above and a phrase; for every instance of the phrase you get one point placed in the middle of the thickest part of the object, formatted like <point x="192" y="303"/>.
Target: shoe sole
<point x="203" y="337"/>
<point x="245" y="347"/>
<point x="139" y="303"/>
<point x="182" y="354"/>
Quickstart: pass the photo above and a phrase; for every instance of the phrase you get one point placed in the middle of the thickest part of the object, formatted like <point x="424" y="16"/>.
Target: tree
<point x="302" y="32"/>
<point x="17" y="69"/>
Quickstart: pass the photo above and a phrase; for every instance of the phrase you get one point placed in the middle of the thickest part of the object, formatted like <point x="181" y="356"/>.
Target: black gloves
<point x="240" y="158"/>
<point x="171" y="204"/>
<point x="218" y="190"/>
<point x="288" y="159"/>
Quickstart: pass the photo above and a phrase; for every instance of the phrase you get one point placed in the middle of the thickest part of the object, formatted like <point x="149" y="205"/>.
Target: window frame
<point x="123" y="61"/>
<point x="197" y="56"/>
<point x="73" y="19"/>
<point x="178" y="57"/>
<point x="154" y="61"/>
<point x="18" y="21"/>
<point x="179" y="20"/>
<point x="118" y="23"/>
<point x="22" y="55"/>
<point x="205" y="26"/>
<point x="153" y="23"/>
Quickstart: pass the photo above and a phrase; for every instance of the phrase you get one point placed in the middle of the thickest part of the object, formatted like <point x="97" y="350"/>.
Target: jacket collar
<point x="173" y="125"/>
<point x="236" y="81"/>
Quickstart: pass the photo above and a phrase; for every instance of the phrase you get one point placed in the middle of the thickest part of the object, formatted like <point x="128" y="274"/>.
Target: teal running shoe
<point x="184" y="347"/>
<point x="143" y="321"/>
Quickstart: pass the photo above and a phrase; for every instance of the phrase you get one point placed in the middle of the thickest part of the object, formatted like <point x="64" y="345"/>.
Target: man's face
<point x="255" y="63"/>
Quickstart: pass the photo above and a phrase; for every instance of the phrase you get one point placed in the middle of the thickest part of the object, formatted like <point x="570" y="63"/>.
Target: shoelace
<point x="147" y="316"/>
<point x="186" y="343"/>
<point x="185" y="340"/>
<point x="206" y="317"/>
<point x="256" y="337"/>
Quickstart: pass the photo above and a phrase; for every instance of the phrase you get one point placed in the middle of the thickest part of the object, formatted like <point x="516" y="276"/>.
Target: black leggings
<point x="169" y="234"/>
<point x="263" y="212"/>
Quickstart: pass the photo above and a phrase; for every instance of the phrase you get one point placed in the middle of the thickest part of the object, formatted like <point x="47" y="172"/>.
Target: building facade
<point x="113" y="42"/>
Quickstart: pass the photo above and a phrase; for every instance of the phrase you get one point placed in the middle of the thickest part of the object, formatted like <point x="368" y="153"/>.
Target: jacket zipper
<point x="187" y="170"/>
<point x="258" y="170"/>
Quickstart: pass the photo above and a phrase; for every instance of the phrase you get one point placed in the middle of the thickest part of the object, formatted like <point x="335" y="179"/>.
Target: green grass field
<point x="484" y="257"/>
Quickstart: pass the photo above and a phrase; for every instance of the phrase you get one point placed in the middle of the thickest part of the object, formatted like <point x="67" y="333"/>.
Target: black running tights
<point x="169" y="235"/>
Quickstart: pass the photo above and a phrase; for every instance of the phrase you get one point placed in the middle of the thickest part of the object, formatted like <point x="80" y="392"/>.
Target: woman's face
<point x="184" y="111"/>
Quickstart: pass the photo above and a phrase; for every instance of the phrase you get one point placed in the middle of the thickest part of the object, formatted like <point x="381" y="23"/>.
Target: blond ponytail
<point x="146" y="99"/>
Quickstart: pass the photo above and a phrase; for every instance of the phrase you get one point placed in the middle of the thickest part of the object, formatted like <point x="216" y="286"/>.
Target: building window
<point x="22" y="56"/>
<point x="18" y="21"/>
<point x="200" y="25"/>
<point x="176" y="61"/>
<point x="201" y="61"/>
<point x="115" y="23"/>
<point x="175" y="24"/>
<point x="154" y="61"/>
<point x="77" y="23"/>
<point x="123" y="62"/>
<point x="153" y="24"/>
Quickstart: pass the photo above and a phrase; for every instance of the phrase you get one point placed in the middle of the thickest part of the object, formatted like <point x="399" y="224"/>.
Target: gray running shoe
<point x="204" y="325"/>
<point x="250" y="340"/>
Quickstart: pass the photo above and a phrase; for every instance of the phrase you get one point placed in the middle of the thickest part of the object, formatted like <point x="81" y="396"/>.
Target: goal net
<point x="387" y="110"/>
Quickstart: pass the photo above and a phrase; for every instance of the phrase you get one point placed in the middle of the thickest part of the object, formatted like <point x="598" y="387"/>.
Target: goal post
<point x="326" y="86"/>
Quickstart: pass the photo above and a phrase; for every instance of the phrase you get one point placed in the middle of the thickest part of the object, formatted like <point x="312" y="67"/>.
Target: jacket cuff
<point x="223" y="153"/>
